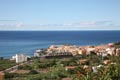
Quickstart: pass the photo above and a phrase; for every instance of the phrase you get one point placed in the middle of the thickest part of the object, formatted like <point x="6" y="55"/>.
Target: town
<point x="65" y="62"/>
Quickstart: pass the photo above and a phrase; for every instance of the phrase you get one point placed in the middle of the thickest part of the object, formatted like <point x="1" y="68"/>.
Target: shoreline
<point x="32" y="54"/>
<point x="27" y="42"/>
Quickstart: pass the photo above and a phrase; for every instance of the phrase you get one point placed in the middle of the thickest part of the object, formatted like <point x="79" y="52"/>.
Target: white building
<point x="39" y="53"/>
<point x="36" y="54"/>
<point x="89" y="50"/>
<point x="20" y="58"/>
<point x="110" y="51"/>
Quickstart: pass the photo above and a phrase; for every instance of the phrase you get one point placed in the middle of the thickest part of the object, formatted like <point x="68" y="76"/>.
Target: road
<point x="14" y="68"/>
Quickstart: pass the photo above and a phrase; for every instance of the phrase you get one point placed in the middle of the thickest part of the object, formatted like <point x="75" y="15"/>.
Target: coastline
<point x="100" y="46"/>
<point x="15" y="42"/>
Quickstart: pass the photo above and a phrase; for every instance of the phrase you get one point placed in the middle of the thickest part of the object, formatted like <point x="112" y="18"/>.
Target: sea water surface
<point x="15" y="42"/>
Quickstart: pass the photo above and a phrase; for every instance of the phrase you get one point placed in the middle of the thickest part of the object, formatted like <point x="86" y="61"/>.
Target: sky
<point x="59" y="15"/>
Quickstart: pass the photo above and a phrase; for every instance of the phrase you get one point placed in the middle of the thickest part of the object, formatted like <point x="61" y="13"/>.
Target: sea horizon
<point x="59" y="30"/>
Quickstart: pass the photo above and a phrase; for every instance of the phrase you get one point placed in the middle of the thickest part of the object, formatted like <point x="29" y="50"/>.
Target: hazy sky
<point x="59" y="14"/>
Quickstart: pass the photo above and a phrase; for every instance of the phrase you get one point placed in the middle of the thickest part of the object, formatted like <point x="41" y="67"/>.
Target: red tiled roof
<point x="66" y="78"/>
<point x="70" y="67"/>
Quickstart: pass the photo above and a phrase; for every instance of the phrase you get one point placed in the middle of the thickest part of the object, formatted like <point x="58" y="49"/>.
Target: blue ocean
<point x="15" y="42"/>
